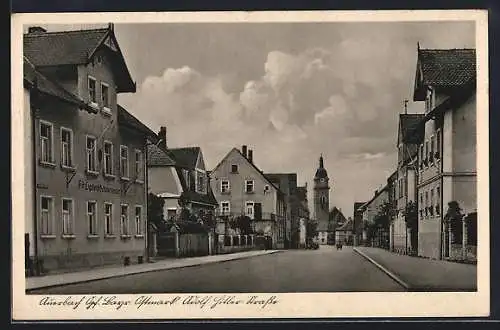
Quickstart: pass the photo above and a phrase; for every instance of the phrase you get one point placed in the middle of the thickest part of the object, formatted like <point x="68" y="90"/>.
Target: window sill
<point x="92" y="173"/>
<point x="92" y="236"/>
<point x="47" y="236"/>
<point x="109" y="176"/>
<point x="109" y="236"/>
<point x="68" y="236"/>
<point x="46" y="164"/>
<point x="94" y="105"/>
<point x="125" y="236"/>
<point x="66" y="168"/>
<point x="139" y="236"/>
<point x="123" y="178"/>
<point x="139" y="181"/>
<point x="106" y="111"/>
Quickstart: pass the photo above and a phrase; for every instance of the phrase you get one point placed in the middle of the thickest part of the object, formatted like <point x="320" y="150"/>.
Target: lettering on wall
<point x="93" y="187"/>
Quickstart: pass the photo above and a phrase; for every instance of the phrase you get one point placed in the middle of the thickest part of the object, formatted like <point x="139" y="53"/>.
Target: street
<point x="323" y="270"/>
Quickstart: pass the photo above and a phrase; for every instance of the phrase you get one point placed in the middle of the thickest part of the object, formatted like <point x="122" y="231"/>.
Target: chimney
<point x="376" y="192"/>
<point x="244" y="151"/>
<point x="250" y="156"/>
<point x="162" y="134"/>
<point x="36" y="29"/>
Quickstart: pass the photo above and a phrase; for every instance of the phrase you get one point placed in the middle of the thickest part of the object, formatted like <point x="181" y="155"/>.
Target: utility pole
<point x="406" y="106"/>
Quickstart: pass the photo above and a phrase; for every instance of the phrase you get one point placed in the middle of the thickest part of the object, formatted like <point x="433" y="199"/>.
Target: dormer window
<point x="92" y="90"/>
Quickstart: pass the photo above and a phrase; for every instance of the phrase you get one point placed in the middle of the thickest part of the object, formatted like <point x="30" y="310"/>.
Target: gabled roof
<point x="36" y="80"/>
<point x="408" y="126"/>
<point x="158" y="156"/>
<point x="379" y="192"/>
<point x="125" y="118"/>
<point x="348" y="225"/>
<point x="289" y="178"/>
<point x="185" y="157"/>
<point x="252" y="165"/>
<point x="74" y="48"/>
<point x="336" y="216"/>
<point x="444" y="68"/>
<point x="357" y="206"/>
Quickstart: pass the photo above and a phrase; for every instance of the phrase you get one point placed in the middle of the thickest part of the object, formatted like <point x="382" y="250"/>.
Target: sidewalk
<point x="420" y="274"/>
<point x="109" y="272"/>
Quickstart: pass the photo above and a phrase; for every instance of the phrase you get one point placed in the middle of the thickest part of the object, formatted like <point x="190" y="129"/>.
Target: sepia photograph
<point x="222" y="161"/>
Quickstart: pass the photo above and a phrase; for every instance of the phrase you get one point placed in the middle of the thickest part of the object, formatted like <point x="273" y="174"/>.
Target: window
<point x="249" y="209"/>
<point x="67" y="216"/>
<point x="224" y="186"/>
<point x="108" y="158"/>
<point x="225" y="207"/>
<point x="249" y="186"/>
<point x="438" y="144"/>
<point x="138" y="165"/>
<point x="200" y="182"/>
<point x="426" y="153"/>
<point x="66" y="147"/>
<point x="92" y="90"/>
<point x="171" y="213"/>
<point x="138" y="220"/>
<point x="266" y="188"/>
<point x="108" y="219"/>
<point x="105" y="97"/>
<point x="187" y="177"/>
<point x="421" y="156"/>
<point x="124" y="219"/>
<point x="46" y="142"/>
<point x="91" y="154"/>
<point x="234" y="168"/>
<point x="438" y="200"/>
<point x="431" y="155"/>
<point x="426" y="203"/>
<point x="47" y="215"/>
<point x="431" y="207"/>
<point x="429" y="102"/>
<point x="124" y="161"/>
<point x="92" y="218"/>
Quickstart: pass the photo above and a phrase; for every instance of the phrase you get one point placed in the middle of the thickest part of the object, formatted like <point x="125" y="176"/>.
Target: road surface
<point x="323" y="270"/>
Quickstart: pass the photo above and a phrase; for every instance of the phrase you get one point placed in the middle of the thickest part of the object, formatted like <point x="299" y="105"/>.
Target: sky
<point x="290" y="91"/>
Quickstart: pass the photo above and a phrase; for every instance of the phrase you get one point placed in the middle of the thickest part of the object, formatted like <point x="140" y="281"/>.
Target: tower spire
<point x="321" y="160"/>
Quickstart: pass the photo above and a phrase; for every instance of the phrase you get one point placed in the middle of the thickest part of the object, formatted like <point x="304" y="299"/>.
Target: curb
<point x="385" y="270"/>
<point x="45" y="286"/>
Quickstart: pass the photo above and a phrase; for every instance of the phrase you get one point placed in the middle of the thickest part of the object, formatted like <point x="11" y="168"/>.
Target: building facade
<point x="242" y="189"/>
<point x="404" y="229"/>
<point x="303" y="215"/>
<point x="287" y="183"/>
<point x="90" y="201"/>
<point x="321" y="204"/>
<point x="446" y="81"/>
<point x="358" y="223"/>
<point x="370" y="210"/>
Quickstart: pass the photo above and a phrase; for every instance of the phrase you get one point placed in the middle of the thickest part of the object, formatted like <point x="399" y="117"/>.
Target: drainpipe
<point x="441" y="155"/>
<point x="33" y="105"/>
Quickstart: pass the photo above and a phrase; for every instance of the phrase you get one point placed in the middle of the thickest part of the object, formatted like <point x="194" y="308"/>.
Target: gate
<point x="166" y="244"/>
<point x="191" y="245"/>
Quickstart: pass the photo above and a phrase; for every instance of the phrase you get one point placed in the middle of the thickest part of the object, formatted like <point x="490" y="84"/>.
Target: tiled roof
<point x="185" y="157"/>
<point x="193" y="196"/>
<point x="337" y="216"/>
<point x="158" y="157"/>
<point x="346" y="226"/>
<point x="43" y="84"/>
<point x="447" y="67"/>
<point x="127" y="119"/>
<point x="289" y="178"/>
<point x="65" y="47"/>
<point x="74" y="48"/>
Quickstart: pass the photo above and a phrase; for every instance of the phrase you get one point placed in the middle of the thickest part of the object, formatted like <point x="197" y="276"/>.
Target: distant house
<point x="287" y="183"/>
<point x="241" y="188"/>
<point x="445" y="79"/>
<point x="358" y="223"/>
<point x="403" y="238"/>
<point x="343" y="227"/>
<point x="303" y="214"/>
<point x="370" y="210"/>
<point x="178" y="175"/>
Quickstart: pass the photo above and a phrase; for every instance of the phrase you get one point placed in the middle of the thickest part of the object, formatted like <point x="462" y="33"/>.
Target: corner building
<point x="88" y="153"/>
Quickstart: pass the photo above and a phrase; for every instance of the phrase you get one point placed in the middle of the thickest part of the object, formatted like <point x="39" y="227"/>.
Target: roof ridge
<point x="445" y="49"/>
<point x="64" y="32"/>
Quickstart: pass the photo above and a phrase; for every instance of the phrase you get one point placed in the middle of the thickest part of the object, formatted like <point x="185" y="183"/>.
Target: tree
<point x="411" y="215"/>
<point x="244" y="224"/>
<point x="155" y="210"/>
<point x="311" y="229"/>
<point x="453" y="218"/>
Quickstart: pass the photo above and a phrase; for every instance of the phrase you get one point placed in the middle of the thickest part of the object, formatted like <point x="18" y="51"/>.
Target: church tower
<point x="321" y="201"/>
